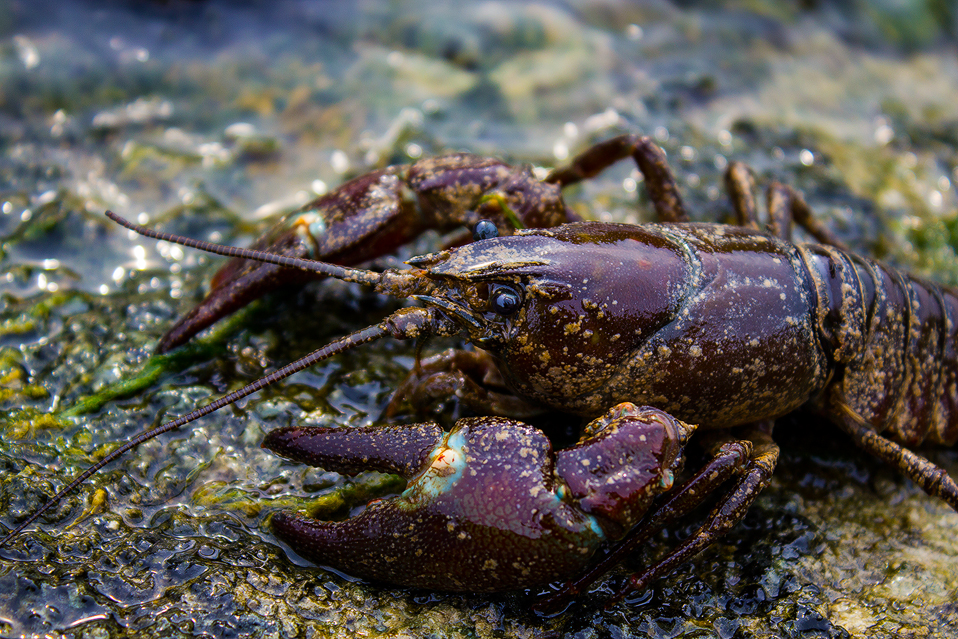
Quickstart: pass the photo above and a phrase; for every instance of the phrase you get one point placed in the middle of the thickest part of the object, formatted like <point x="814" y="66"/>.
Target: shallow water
<point x="206" y="118"/>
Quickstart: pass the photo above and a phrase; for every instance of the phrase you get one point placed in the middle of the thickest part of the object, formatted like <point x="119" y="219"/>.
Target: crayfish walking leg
<point x="751" y="460"/>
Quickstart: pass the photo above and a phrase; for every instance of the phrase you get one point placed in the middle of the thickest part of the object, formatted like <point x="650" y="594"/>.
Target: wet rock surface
<point x="207" y="118"/>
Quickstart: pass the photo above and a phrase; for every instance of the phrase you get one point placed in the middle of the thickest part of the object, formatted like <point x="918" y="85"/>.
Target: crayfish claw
<point x="487" y="507"/>
<point x="383" y="543"/>
<point x="398" y="449"/>
<point x="483" y="513"/>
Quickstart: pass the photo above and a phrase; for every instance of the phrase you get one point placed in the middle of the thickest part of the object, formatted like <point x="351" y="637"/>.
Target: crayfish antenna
<point x="346" y="274"/>
<point x="403" y="324"/>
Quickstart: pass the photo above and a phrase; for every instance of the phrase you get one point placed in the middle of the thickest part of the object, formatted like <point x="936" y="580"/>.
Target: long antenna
<point x="313" y="266"/>
<point x="363" y="336"/>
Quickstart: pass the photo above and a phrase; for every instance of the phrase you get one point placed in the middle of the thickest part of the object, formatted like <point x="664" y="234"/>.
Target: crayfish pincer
<point x="488" y="505"/>
<point x="644" y="330"/>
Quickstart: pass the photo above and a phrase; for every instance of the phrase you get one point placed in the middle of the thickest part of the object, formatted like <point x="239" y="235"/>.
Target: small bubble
<point x="884" y="134"/>
<point x="724" y="137"/>
<point x="560" y="150"/>
<point x="45" y="198"/>
<point x="340" y="161"/>
<point x="26" y="51"/>
<point x="319" y="187"/>
<point x="541" y="172"/>
<point x="633" y="32"/>
<point x="414" y="151"/>
<point x="59" y="119"/>
<point x="604" y="120"/>
<point x="806" y="157"/>
<point x="139" y="254"/>
<point x="239" y="130"/>
<point x="629" y="185"/>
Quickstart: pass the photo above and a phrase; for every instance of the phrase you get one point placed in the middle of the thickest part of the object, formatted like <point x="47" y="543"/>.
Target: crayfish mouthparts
<point x="488" y="506"/>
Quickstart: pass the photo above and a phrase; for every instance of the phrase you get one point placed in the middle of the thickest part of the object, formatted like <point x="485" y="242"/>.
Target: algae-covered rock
<point x="208" y="118"/>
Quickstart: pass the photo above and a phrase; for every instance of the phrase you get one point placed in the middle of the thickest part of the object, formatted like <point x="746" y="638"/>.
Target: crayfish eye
<point x="504" y="299"/>
<point x="485" y="230"/>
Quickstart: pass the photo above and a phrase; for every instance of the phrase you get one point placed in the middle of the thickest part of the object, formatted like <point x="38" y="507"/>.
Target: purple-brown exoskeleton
<point x="645" y="330"/>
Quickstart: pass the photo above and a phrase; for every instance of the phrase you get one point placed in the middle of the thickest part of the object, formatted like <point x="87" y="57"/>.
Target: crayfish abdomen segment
<point x="893" y="338"/>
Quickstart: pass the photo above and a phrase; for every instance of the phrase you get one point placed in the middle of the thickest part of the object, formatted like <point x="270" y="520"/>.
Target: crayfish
<point x="652" y="333"/>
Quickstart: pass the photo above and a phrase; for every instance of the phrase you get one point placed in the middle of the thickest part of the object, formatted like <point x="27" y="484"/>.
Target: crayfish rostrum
<point x="652" y="332"/>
